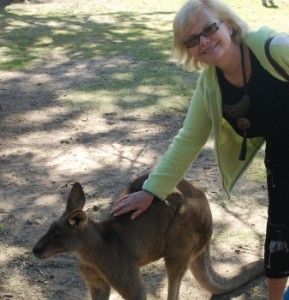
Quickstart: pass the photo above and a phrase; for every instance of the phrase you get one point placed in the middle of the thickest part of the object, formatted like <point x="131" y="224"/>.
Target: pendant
<point x="243" y="124"/>
<point x="239" y="109"/>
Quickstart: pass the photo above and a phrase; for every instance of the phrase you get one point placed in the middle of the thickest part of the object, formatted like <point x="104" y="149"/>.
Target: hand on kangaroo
<point x="137" y="202"/>
<point x="111" y="252"/>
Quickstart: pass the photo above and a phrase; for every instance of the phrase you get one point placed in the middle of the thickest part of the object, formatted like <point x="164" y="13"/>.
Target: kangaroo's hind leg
<point x="176" y="268"/>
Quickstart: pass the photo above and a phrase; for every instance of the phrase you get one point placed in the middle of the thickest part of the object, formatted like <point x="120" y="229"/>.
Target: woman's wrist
<point x="144" y="190"/>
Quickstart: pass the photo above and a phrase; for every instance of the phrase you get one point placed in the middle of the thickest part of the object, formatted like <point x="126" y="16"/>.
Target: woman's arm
<point x="185" y="148"/>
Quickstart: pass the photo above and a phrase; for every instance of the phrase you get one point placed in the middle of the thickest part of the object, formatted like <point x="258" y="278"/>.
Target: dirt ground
<point x="46" y="145"/>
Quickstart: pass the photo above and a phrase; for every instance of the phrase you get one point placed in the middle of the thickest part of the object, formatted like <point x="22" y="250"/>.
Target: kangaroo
<point x="111" y="252"/>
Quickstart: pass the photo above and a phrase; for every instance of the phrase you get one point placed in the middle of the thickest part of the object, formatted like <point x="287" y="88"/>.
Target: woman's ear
<point x="230" y="29"/>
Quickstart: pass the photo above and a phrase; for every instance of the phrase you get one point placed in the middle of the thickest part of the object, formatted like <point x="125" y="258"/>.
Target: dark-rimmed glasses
<point x="194" y="40"/>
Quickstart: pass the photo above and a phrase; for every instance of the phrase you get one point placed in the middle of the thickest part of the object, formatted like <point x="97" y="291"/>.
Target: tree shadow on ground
<point x="50" y="140"/>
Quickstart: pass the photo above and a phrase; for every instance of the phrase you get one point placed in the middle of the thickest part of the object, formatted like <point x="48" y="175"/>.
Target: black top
<point x="269" y="103"/>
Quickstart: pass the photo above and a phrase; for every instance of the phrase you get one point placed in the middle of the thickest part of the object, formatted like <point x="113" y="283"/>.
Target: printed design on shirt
<point x="277" y="246"/>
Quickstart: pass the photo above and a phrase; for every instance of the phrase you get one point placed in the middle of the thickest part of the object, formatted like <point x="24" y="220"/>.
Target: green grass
<point x="132" y="30"/>
<point x="32" y="36"/>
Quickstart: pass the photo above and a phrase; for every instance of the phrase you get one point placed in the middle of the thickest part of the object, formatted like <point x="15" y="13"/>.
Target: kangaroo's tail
<point x="217" y="284"/>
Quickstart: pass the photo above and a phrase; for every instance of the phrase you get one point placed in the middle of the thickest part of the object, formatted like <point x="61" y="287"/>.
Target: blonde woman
<point x="245" y="102"/>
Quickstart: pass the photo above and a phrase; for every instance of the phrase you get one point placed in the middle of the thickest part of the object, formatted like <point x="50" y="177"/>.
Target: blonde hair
<point x="183" y="23"/>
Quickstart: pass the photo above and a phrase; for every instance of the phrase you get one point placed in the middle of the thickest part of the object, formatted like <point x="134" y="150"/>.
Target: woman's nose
<point x="204" y="40"/>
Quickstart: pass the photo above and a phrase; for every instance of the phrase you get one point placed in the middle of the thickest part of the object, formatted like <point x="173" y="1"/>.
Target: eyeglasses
<point x="194" y="40"/>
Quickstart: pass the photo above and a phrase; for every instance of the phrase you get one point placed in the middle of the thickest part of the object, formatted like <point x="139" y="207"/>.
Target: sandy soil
<point x="45" y="146"/>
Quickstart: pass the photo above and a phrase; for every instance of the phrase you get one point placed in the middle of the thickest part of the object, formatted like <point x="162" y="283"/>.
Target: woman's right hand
<point x="137" y="202"/>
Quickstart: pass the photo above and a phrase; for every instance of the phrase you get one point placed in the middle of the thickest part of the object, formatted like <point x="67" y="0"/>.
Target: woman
<point x="241" y="97"/>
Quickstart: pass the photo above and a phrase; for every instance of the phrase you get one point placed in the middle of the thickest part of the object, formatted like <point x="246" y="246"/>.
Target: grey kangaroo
<point x="111" y="252"/>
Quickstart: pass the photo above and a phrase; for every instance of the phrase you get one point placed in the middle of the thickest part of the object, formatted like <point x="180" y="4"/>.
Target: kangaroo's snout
<point x="38" y="252"/>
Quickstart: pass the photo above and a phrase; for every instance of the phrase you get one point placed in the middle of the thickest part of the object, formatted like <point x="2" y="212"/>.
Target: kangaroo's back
<point x="185" y="215"/>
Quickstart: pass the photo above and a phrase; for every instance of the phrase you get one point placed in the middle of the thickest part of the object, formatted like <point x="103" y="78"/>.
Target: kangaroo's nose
<point x="36" y="251"/>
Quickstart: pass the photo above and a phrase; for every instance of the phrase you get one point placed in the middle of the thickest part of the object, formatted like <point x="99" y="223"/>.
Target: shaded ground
<point x="47" y="145"/>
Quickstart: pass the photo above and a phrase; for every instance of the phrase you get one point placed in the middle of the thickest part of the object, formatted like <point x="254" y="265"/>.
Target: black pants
<point x="277" y="235"/>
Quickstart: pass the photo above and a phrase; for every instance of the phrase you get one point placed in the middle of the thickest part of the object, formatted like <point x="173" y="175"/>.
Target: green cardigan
<point x="204" y="116"/>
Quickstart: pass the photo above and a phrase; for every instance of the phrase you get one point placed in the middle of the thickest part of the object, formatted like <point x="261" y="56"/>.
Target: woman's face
<point x="210" y="50"/>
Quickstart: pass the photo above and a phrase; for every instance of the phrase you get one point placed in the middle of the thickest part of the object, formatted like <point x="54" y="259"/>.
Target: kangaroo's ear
<point x="77" y="218"/>
<point x="76" y="198"/>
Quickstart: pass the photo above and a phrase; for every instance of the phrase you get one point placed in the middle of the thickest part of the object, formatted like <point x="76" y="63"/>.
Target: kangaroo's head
<point x="65" y="234"/>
